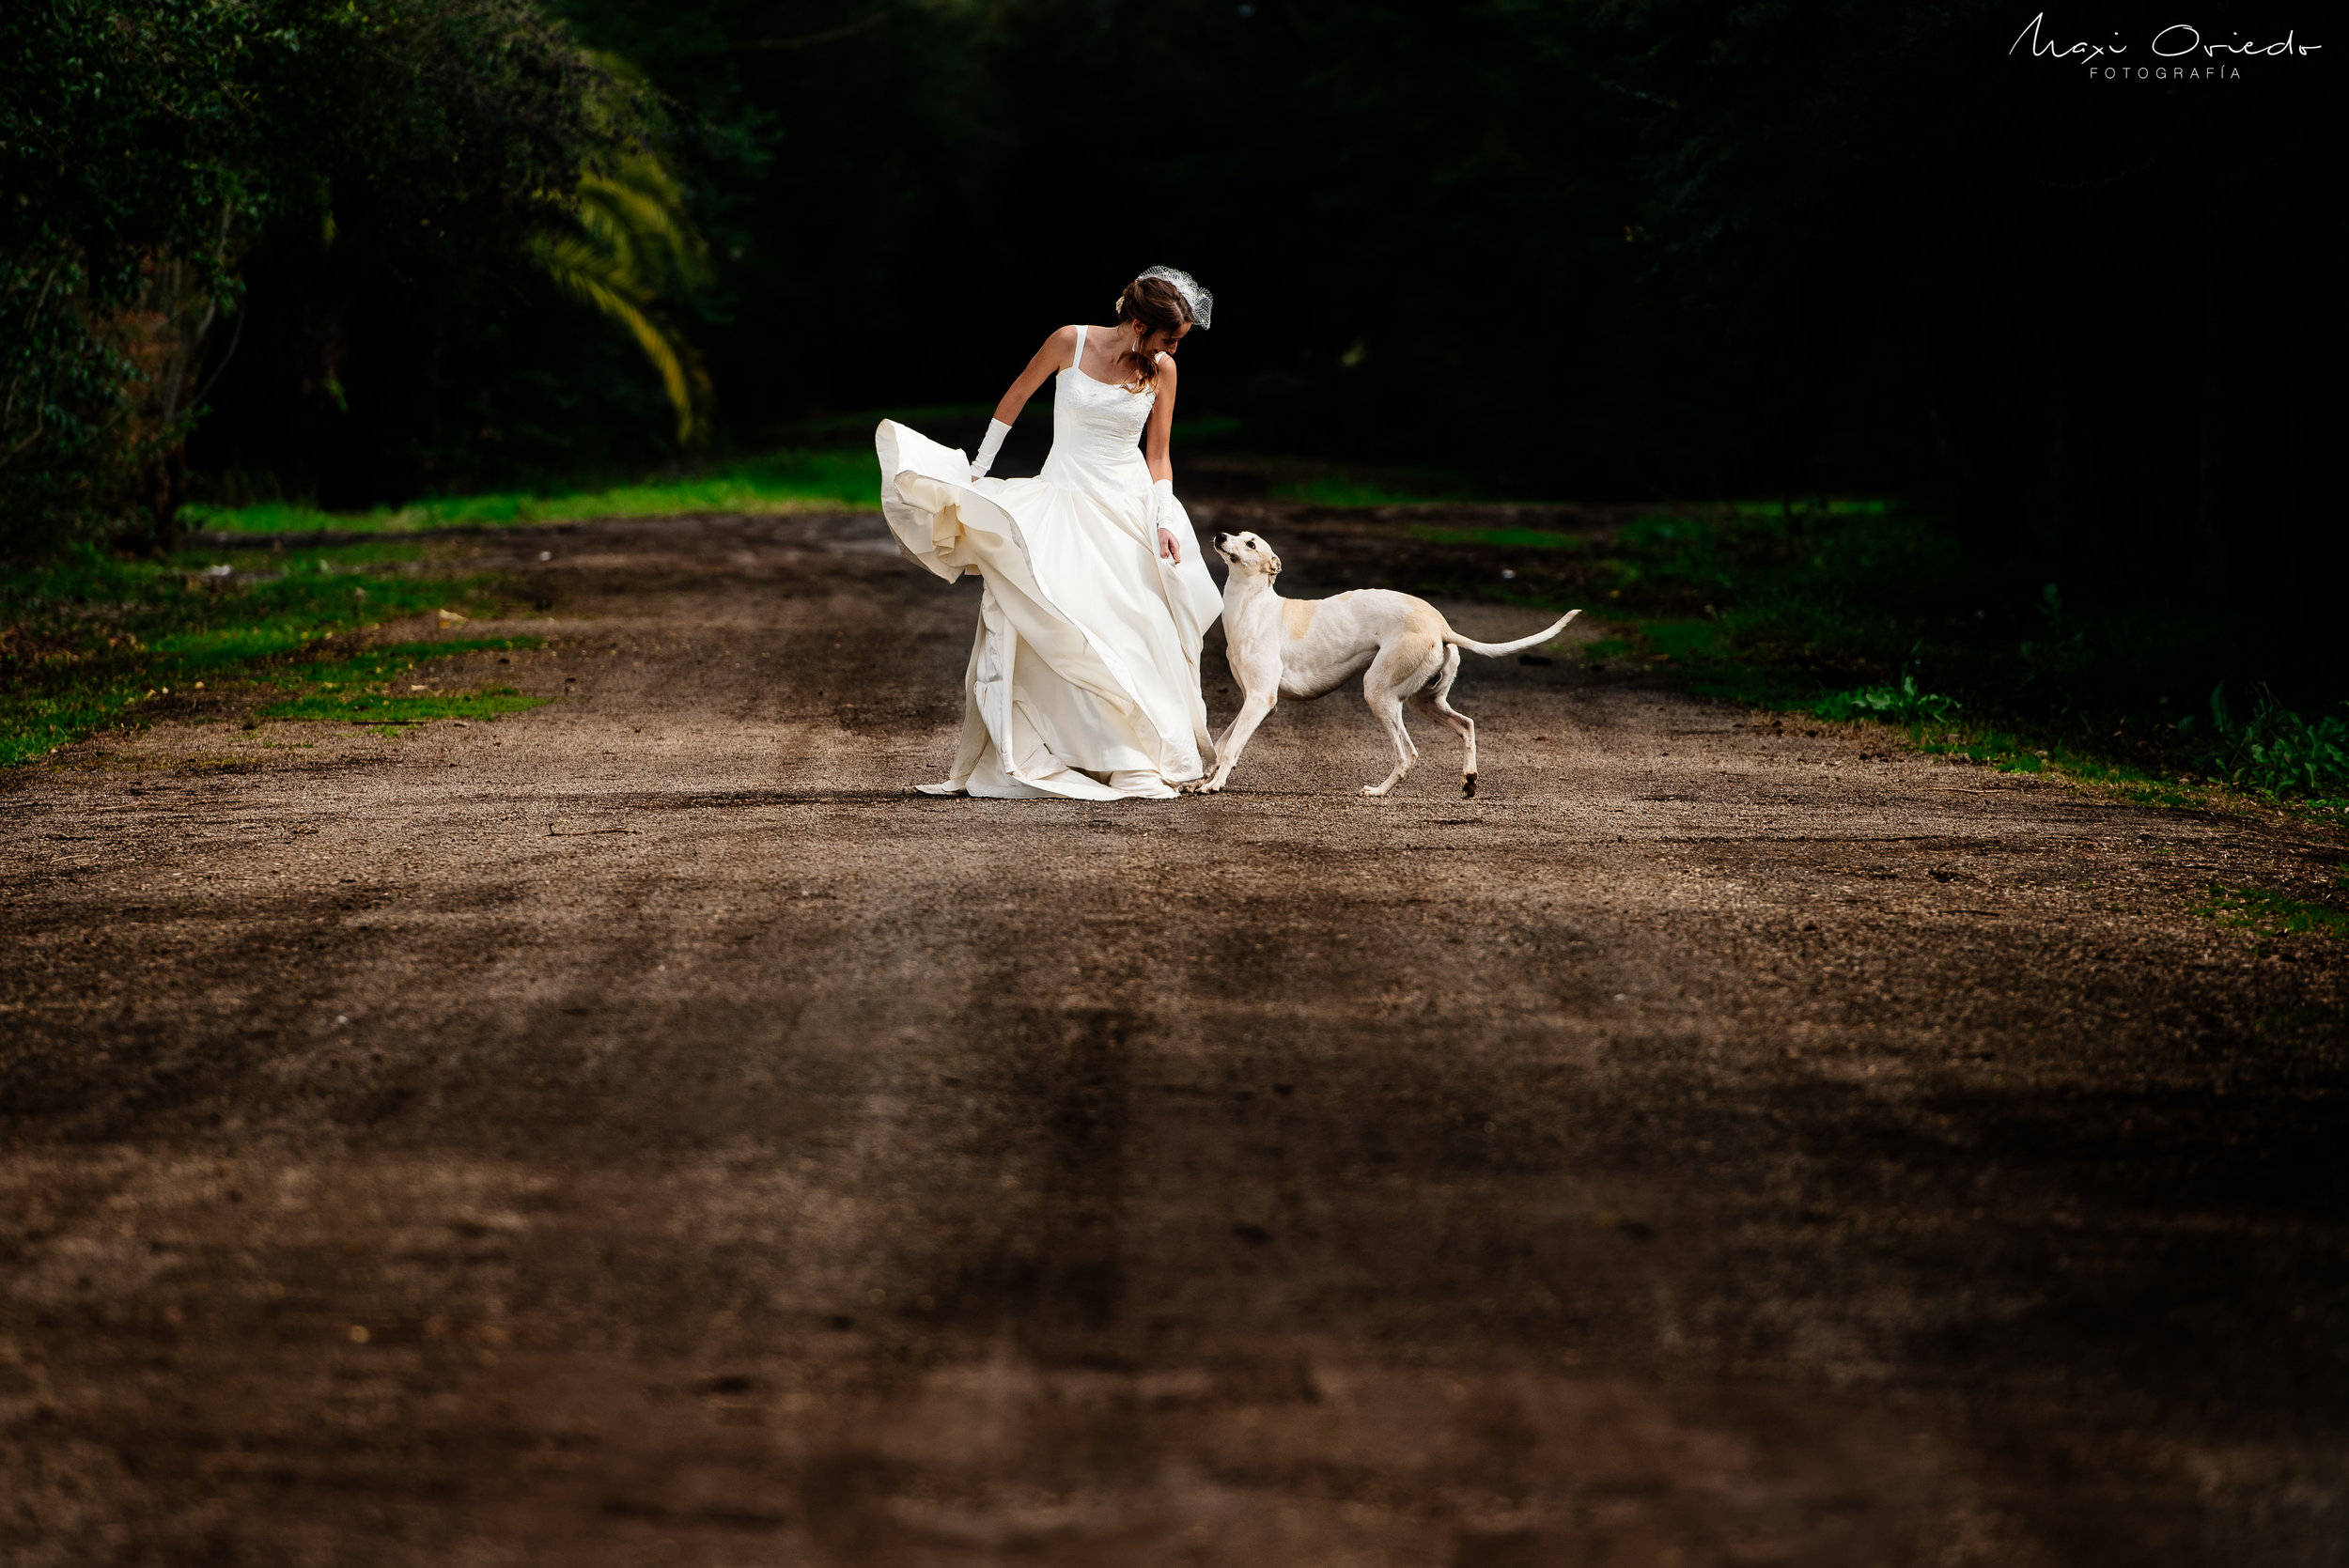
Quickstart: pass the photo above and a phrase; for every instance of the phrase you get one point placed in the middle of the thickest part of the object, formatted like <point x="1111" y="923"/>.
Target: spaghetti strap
<point x="1077" y="364"/>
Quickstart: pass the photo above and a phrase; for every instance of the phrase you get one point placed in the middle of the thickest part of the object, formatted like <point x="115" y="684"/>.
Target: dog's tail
<point x="1494" y="650"/>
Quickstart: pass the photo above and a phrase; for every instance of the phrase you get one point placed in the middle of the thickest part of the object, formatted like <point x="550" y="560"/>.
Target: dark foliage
<point x="399" y="338"/>
<point x="1682" y="247"/>
<point x="343" y="192"/>
<point x="1991" y="273"/>
<point x="120" y="139"/>
<point x="1668" y="248"/>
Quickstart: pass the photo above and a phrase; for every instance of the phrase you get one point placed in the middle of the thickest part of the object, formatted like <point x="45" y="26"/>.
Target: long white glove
<point x="996" y="432"/>
<point x="1162" y="513"/>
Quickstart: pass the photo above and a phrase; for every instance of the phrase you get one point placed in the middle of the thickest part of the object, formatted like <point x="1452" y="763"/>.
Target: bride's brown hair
<point x="1156" y="306"/>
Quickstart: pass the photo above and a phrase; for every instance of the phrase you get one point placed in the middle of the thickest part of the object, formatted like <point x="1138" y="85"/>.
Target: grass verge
<point x="2274" y="914"/>
<point x="374" y="688"/>
<point x="89" y="642"/>
<point x="799" y="479"/>
<point x="1859" y="610"/>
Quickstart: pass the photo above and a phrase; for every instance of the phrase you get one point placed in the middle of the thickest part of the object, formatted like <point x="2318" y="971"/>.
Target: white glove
<point x="1162" y="513"/>
<point x="996" y="432"/>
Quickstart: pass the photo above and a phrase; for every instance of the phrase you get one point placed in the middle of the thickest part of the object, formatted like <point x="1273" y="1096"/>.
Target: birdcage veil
<point x="1197" y="301"/>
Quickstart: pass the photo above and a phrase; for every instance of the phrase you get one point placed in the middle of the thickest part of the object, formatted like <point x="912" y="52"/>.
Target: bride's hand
<point x="1168" y="548"/>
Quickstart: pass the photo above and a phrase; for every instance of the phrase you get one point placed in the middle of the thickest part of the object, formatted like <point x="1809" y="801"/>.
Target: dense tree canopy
<point x="161" y="154"/>
<point x="1683" y="246"/>
<point x="121" y="139"/>
<point x="1598" y="249"/>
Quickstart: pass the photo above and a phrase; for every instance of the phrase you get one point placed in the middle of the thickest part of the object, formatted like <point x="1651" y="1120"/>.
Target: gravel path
<point x="640" y="1131"/>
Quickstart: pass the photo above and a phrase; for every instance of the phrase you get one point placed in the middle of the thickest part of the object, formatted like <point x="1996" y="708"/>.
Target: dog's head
<point x="1246" y="553"/>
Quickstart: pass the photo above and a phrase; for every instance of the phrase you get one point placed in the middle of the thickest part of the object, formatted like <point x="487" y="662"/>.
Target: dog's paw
<point x="1373" y="789"/>
<point x="1467" y="785"/>
<point x="1201" y="786"/>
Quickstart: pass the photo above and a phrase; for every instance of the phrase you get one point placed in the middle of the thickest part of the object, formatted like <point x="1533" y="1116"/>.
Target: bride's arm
<point x="1058" y="351"/>
<point x="1158" y="437"/>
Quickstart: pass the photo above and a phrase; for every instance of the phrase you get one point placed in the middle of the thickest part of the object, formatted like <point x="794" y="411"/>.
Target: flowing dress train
<point x="1084" y="680"/>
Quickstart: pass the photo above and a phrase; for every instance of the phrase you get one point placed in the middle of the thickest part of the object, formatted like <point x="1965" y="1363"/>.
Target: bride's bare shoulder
<point x="1059" y="351"/>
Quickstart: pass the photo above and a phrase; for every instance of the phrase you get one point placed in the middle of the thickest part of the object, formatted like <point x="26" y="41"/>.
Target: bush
<point x="1893" y="705"/>
<point x="122" y="142"/>
<point x="2275" y="749"/>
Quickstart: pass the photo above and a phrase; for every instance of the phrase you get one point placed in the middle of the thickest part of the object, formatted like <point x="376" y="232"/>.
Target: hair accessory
<point x="1197" y="300"/>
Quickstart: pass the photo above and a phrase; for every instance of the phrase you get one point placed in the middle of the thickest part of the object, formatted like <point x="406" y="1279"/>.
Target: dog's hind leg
<point x="1433" y="704"/>
<point x="1389" y="707"/>
<point x="1395" y="672"/>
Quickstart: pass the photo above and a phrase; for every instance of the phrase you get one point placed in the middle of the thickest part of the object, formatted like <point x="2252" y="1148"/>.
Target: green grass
<point x="1851" y="609"/>
<point x="2274" y="914"/>
<point x="829" y="466"/>
<point x="1904" y="704"/>
<point x="375" y="688"/>
<point x="800" y="479"/>
<point x="1718" y="657"/>
<point x="89" y="642"/>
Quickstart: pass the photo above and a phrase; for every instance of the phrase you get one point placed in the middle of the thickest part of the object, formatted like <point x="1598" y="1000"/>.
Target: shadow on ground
<point x="640" y="1131"/>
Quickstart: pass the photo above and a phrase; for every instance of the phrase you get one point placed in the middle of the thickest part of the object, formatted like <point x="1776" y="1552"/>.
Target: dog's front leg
<point x="1234" y="740"/>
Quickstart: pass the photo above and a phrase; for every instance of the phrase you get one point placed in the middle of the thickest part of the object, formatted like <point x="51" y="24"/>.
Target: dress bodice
<point x="1096" y="430"/>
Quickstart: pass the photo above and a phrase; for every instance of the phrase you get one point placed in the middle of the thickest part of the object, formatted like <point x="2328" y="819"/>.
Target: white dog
<point x="1303" y="647"/>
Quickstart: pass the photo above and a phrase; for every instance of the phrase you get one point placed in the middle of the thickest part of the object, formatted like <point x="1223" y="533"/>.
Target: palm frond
<point x="635" y="246"/>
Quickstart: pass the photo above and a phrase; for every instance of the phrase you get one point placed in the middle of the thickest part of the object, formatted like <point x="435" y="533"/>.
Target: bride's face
<point x="1163" y="342"/>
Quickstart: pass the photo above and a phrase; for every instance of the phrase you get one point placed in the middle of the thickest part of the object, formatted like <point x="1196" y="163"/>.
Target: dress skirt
<point x="1083" y="680"/>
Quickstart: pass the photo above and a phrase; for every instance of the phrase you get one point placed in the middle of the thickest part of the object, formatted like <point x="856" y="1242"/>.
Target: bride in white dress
<point x="1083" y="680"/>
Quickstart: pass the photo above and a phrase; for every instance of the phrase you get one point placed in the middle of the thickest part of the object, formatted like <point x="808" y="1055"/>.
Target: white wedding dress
<point x="1083" y="680"/>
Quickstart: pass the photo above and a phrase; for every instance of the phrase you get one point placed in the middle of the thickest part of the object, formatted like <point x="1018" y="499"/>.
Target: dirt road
<point x="640" y="1131"/>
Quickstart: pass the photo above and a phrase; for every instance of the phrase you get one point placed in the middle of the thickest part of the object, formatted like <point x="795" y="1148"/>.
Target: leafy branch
<point x="634" y="246"/>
